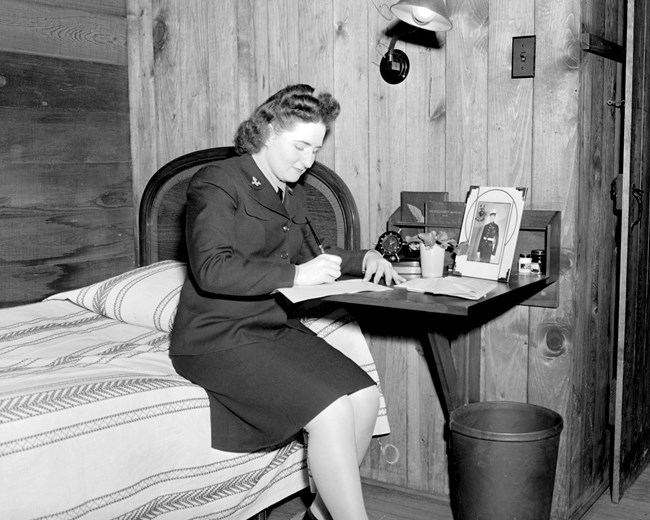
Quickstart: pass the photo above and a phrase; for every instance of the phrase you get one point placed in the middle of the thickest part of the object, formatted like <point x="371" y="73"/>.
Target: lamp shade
<point x="425" y="14"/>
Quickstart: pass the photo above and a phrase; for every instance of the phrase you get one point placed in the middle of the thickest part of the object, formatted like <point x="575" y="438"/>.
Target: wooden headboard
<point x="162" y="209"/>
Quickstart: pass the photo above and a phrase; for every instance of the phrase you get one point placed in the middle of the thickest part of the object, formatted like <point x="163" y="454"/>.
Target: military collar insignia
<point x="255" y="182"/>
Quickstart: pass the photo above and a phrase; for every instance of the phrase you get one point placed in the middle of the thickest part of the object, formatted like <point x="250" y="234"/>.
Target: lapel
<point x="290" y="202"/>
<point x="261" y="190"/>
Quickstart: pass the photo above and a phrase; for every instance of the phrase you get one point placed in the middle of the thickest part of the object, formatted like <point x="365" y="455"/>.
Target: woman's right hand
<point x="320" y="269"/>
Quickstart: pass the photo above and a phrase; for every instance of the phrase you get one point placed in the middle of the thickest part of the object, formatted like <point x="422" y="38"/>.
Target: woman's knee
<point x="346" y="409"/>
<point x="366" y="400"/>
<point x="337" y="412"/>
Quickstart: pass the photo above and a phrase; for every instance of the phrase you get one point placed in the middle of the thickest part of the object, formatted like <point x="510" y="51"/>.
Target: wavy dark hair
<point x="285" y="108"/>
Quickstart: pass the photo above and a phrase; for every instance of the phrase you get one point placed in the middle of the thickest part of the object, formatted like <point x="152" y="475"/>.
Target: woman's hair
<point x="285" y="108"/>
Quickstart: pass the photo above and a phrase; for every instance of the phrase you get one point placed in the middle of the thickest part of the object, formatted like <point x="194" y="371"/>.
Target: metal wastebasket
<point x="502" y="459"/>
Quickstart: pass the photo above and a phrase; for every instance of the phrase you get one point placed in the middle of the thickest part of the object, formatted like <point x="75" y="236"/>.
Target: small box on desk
<point x="539" y="229"/>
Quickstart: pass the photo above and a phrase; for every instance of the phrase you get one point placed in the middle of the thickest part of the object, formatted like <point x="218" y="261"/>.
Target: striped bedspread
<point x="95" y="424"/>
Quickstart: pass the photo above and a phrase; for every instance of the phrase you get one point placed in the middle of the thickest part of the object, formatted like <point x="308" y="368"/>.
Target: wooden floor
<point x="385" y="503"/>
<point x="635" y="504"/>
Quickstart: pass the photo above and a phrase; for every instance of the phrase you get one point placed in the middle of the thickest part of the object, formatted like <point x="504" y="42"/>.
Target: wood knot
<point x="438" y="112"/>
<point x="116" y="199"/>
<point x="552" y="339"/>
<point x="555" y="341"/>
<point x="160" y="34"/>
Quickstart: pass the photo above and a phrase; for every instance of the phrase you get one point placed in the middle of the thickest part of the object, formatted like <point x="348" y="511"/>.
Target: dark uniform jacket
<point x="243" y="243"/>
<point x="489" y="241"/>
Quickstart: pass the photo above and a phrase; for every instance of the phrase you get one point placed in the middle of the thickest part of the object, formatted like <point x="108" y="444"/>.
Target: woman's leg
<point x="338" y="440"/>
<point x="366" y="406"/>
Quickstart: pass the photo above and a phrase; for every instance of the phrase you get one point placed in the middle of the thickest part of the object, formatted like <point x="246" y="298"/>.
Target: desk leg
<point x="468" y="366"/>
<point x="459" y="380"/>
<point x="440" y="348"/>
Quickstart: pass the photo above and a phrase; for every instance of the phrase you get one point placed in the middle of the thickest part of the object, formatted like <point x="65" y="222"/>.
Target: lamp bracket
<point x="395" y="68"/>
<point x="395" y="65"/>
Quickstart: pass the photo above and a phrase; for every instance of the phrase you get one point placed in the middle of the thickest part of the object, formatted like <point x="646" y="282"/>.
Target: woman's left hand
<point x="377" y="267"/>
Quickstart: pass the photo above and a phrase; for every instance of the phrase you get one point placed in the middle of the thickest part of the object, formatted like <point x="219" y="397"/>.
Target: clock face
<point x="390" y="243"/>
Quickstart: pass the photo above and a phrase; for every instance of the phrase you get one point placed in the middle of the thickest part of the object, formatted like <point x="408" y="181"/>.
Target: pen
<point x="320" y="246"/>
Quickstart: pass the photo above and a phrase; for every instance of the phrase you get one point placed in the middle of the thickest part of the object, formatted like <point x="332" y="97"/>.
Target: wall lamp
<point x="430" y="15"/>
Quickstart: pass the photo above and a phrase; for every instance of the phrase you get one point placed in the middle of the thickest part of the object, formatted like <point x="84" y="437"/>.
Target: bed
<point x="95" y="423"/>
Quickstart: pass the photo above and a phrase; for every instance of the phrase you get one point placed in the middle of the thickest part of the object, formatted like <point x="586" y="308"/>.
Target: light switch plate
<point x="523" y="57"/>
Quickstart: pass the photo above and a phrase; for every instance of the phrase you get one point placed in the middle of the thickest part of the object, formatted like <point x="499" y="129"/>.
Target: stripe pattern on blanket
<point x="95" y="423"/>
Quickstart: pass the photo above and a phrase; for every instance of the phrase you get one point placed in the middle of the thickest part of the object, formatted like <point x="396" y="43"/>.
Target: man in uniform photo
<point x="489" y="240"/>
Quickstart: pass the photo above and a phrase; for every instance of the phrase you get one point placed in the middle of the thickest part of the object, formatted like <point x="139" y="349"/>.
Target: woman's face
<point x="289" y="153"/>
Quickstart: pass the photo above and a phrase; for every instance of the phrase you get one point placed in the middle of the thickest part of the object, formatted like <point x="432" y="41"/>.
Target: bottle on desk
<point x="525" y="262"/>
<point x="538" y="261"/>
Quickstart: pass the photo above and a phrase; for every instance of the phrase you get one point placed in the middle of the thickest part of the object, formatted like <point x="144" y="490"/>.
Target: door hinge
<point x="637" y="193"/>
<point x="616" y="193"/>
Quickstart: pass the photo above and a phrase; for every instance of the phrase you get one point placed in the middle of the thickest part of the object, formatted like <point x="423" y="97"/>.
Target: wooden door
<point x="632" y="399"/>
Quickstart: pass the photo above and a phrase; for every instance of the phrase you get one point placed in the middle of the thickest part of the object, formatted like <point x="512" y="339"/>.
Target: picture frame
<point x="489" y="231"/>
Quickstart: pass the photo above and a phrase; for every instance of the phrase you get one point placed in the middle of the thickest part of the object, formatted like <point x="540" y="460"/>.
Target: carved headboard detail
<point x="162" y="209"/>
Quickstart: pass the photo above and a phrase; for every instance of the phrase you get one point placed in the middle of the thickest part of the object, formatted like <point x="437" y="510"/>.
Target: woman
<point x="268" y="377"/>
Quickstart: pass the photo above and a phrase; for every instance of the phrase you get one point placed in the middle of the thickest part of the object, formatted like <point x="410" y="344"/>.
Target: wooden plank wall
<point x="198" y="69"/>
<point x="65" y="169"/>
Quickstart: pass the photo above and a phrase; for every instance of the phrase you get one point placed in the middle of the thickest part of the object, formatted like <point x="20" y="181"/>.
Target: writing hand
<point x="323" y="268"/>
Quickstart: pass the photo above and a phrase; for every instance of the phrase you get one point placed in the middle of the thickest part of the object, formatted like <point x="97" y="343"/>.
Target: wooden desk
<point x="441" y="319"/>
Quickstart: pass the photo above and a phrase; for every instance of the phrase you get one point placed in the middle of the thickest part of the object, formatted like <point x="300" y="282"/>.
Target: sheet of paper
<point x="309" y="292"/>
<point x="465" y="287"/>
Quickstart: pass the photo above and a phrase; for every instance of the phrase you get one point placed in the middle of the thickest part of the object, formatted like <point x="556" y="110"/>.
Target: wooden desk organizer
<point x="539" y="229"/>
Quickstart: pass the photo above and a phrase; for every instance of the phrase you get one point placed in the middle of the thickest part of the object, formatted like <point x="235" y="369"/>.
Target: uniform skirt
<point x="263" y="394"/>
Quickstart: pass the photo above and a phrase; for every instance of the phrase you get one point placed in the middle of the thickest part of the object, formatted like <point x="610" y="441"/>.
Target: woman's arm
<point x="227" y="249"/>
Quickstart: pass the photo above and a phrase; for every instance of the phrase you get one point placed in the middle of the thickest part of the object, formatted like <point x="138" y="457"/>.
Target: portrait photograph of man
<point x="486" y="241"/>
<point x="488" y="236"/>
<point x="487" y="246"/>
